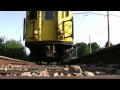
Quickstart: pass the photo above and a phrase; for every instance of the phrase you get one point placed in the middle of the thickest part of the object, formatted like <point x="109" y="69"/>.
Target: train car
<point x="48" y="35"/>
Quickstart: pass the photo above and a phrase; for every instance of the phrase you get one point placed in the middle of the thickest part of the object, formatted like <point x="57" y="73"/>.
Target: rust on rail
<point x="7" y="60"/>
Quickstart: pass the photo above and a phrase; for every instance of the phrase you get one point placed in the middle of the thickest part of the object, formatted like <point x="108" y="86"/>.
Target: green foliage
<point x="2" y="39"/>
<point x="84" y="49"/>
<point x="13" y="49"/>
<point x="94" y="47"/>
<point x="106" y="44"/>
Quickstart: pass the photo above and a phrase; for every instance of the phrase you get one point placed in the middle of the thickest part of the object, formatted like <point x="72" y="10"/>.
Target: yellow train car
<point x="48" y="34"/>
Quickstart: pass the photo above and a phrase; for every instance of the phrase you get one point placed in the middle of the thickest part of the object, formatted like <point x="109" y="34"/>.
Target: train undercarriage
<point x="50" y="52"/>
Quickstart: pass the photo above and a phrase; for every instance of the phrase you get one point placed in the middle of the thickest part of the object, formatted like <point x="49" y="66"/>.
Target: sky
<point x="11" y="24"/>
<point x="85" y="24"/>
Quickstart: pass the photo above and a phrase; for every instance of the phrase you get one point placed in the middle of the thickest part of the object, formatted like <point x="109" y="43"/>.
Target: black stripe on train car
<point x="48" y="43"/>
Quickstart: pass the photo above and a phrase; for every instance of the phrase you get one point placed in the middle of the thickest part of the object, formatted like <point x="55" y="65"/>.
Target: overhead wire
<point x="87" y="13"/>
<point x="90" y="13"/>
<point x="7" y="18"/>
<point x="82" y="21"/>
<point x="14" y="24"/>
<point x="17" y="30"/>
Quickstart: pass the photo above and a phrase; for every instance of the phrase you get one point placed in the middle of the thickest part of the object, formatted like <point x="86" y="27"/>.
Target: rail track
<point x="106" y="56"/>
<point x="109" y="55"/>
<point x="6" y="60"/>
<point x="18" y="71"/>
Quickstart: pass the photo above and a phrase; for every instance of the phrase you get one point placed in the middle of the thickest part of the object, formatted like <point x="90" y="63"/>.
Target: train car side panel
<point x="32" y="26"/>
<point x="65" y="26"/>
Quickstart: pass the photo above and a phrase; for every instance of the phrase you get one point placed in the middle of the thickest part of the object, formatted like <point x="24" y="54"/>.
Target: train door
<point x="48" y="32"/>
<point x="65" y="26"/>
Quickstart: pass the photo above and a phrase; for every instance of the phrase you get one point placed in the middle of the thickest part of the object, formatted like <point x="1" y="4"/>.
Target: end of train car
<point x="48" y="35"/>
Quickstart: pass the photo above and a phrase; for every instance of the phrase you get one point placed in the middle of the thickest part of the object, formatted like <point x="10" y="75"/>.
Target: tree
<point x="106" y="44"/>
<point x="82" y="49"/>
<point x="94" y="47"/>
<point x="2" y="39"/>
<point x="13" y="49"/>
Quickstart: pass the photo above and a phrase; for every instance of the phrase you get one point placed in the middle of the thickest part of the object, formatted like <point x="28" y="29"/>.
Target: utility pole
<point x="108" y="29"/>
<point x="90" y="45"/>
<point x="20" y="39"/>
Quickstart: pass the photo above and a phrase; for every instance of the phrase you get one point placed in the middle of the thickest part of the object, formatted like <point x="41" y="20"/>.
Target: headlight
<point x="62" y="32"/>
<point x="35" y="31"/>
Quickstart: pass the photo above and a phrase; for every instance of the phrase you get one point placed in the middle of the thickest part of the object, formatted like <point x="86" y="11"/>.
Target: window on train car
<point x="49" y="15"/>
<point x="33" y="15"/>
<point x="67" y="13"/>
